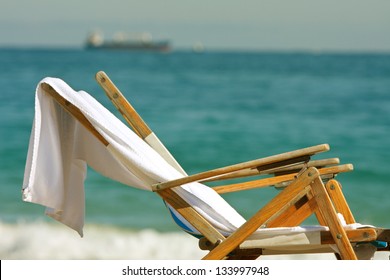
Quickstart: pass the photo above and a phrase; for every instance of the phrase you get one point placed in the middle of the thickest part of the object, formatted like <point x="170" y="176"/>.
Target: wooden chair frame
<point x="304" y="191"/>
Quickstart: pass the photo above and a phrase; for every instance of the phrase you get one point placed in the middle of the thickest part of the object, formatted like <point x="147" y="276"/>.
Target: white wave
<point x="47" y="241"/>
<point x="41" y="240"/>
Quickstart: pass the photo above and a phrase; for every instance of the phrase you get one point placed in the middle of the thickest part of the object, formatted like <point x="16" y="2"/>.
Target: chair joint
<point x="304" y="168"/>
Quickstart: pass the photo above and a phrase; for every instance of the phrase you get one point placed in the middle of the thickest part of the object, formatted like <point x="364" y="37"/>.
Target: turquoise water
<point x="211" y="110"/>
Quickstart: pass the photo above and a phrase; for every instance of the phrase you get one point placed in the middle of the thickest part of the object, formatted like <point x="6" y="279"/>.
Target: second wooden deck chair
<point x="199" y="209"/>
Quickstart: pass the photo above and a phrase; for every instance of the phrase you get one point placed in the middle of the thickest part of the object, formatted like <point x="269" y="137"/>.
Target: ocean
<point x="210" y="110"/>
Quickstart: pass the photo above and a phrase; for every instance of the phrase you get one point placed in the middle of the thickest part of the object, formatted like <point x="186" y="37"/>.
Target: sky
<point x="345" y="25"/>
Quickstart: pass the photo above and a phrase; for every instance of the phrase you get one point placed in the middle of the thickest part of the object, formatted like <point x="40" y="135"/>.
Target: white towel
<point x="60" y="148"/>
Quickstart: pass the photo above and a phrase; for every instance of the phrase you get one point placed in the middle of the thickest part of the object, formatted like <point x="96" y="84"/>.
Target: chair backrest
<point x="198" y="195"/>
<point x="135" y="120"/>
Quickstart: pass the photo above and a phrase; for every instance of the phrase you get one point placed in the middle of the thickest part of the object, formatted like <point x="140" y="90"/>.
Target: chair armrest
<point x="282" y="170"/>
<point x="301" y="155"/>
<point x="286" y="178"/>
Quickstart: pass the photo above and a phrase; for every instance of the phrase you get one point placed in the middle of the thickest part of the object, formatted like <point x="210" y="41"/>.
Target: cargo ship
<point x="127" y="42"/>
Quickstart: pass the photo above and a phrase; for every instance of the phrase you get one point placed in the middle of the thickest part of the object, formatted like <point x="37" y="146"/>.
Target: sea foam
<point x="46" y="241"/>
<point x="42" y="240"/>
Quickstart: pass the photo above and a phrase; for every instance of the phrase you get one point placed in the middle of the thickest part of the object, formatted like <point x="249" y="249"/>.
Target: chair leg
<point x="336" y="195"/>
<point x="328" y="212"/>
<point x="297" y="189"/>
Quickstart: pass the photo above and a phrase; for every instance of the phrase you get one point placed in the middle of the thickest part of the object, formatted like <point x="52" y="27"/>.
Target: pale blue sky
<point x="356" y="25"/>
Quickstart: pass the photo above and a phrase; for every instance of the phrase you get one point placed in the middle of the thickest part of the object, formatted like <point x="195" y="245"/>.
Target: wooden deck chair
<point x="274" y="228"/>
<point x="284" y="173"/>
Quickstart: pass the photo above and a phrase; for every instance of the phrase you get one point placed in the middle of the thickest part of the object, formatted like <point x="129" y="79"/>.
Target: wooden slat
<point x="245" y="165"/>
<point x="241" y="234"/>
